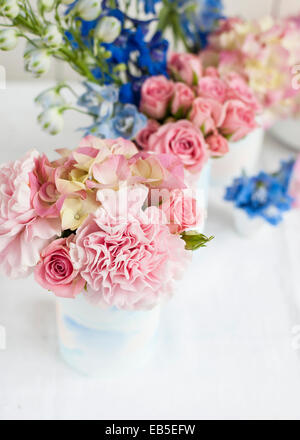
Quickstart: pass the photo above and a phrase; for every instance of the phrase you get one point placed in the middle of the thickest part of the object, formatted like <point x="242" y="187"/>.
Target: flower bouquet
<point x="265" y="52"/>
<point x="262" y="198"/>
<point x="108" y="230"/>
<point x="199" y="114"/>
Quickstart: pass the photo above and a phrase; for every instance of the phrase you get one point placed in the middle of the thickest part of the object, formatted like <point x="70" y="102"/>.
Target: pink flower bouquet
<point x="104" y="221"/>
<point x="196" y="113"/>
<point x="265" y="53"/>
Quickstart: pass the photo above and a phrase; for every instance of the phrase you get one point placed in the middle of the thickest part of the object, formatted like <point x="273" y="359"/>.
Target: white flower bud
<point x="52" y="120"/>
<point x="53" y="37"/>
<point x="8" y="39"/>
<point x="50" y="98"/>
<point x="37" y="61"/>
<point x="88" y="9"/>
<point x="9" y="8"/>
<point x="108" y="29"/>
<point x="46" y="5"/>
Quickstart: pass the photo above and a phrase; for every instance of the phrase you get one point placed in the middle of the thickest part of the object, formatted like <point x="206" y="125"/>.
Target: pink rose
<point x="213" y="88"/>
<point x="55" y="271"/>
<point x="206" y="114"/>
<point x="157" y="93"/>
<point x="239" y="120"/>
<point x="238" y="89"/>
<point x="143" y="136"/>
<point x="182" y="100"/>
<point x="23" y="234"/>
<point x="295" y="184"/>
<point x="212" y="71"/>
<point x="181" y="211"/>
<point x="185" y="67"/>
<point x="218" y="145"/>
<point x="185" y="141"/>
<point x="130" y="265"/>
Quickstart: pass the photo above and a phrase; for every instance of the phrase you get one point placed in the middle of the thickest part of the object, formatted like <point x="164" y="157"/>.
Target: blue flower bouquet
<point x="261" y="198"/>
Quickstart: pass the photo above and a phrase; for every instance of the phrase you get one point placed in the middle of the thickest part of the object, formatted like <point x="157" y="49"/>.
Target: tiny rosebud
<point x="108" y="29"/>
<point x="52" y="120"/>
<point x="53" y="37"/>
<point x="8" y="39"/>
<point x="10" y="9"/>
<point x="37" y="61"/>
<point x="88" y="10"/>
<point x="46" y="5"/>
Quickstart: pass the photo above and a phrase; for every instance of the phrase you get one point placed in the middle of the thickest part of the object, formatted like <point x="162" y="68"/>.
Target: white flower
<point x="53" y="37"/>
<point x="108" y="29"/>
<point x="50" y="98"/>
<point x="37" y="61"/>
<point x="88" y="9"/>
<point x="8" y="39"/>
<point x="10" y="9"/>
<point x="46" y="5"/>
<point x="52" y="120"/>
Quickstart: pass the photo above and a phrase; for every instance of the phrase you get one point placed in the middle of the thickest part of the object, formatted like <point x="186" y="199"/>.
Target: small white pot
<point x="243" y="156"/>
<point x="245" y="225"/>
<point x="287" y="131"/>
<point x="104" y="343"/>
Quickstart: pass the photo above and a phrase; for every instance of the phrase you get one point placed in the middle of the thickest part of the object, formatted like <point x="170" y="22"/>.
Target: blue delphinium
<point x="264" y="195"/>
<point x="112" y="119"/>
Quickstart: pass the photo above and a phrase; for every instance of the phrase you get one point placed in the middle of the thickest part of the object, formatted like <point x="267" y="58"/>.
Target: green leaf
<point x="194" y="240"/>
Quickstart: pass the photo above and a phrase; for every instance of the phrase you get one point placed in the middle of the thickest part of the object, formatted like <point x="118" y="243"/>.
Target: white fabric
<point x="226" y="350"/>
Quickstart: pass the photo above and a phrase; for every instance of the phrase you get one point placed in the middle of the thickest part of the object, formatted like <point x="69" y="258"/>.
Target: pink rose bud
<point x="239" y="120"/>
<point x="182" y="100"/>
<point x="157" y="93"/>
<point x="185" y="141"/>
<point x="143" y="136"/>
<point x="218" y="145"/>
<point x="238" y="89"/>
<point x="56" y="272"/>
<point x="213" y="88"/>
<point x="181" y="211"/>
<point x="185" y="67"/>
<point x="206" y="114"/>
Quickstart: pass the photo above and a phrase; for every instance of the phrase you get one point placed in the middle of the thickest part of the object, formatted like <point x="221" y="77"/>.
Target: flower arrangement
<point x="103" y="220"/>
<point x="264" y="52"/>
<point x="113" y="52"/>
<point x="196" y="113"/>
<point x="266" y="196"/>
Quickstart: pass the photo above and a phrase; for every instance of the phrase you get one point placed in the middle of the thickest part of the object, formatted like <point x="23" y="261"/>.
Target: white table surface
<point x="226" y="347"/>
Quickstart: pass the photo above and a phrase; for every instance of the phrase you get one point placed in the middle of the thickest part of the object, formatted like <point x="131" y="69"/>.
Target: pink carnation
<point x="185" y="67"/>
<point x="128" y="264"/>
<point x="239" y="120"/>
<point x="181" y="211"/>
<point x="56" y="272"/>
<point x="23" y="234"/>
<point x="156" y="94"/>
<point x="143" y="136"/>
<point x="183" y="140"/>
<point x="182" y="100"/>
